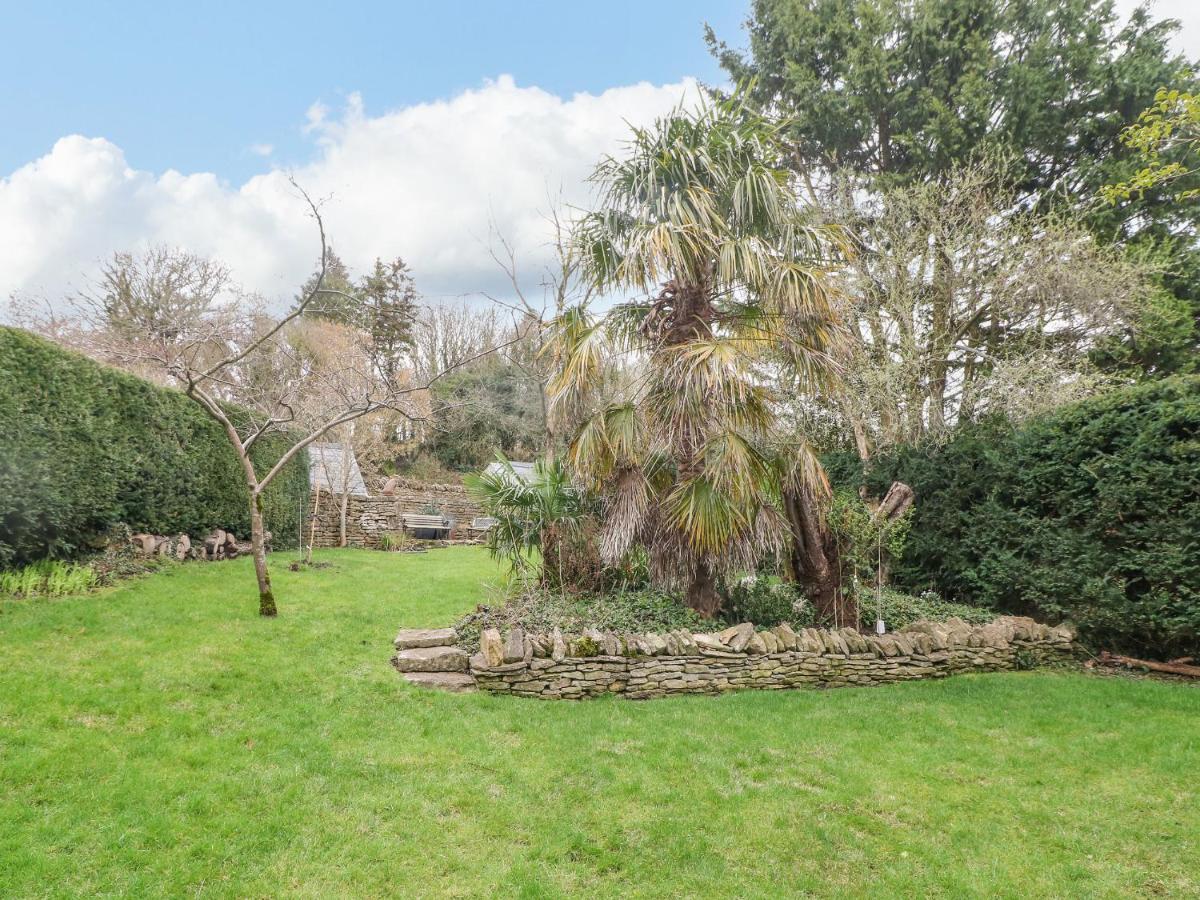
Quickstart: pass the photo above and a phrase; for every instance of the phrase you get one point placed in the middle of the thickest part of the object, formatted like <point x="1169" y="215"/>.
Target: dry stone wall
<point x="642" y="666"/>
<point x="368" y="518"/>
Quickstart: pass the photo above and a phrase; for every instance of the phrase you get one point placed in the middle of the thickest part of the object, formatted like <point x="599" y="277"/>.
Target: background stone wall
<point x="643" y="666"/>
<point x="368" y="518"/>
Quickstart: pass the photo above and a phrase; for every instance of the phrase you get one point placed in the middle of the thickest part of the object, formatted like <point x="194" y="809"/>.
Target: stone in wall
<point x="643" y="666"/>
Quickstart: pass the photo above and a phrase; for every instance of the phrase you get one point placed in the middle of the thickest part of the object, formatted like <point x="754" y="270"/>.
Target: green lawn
<point x="162" y="740"/>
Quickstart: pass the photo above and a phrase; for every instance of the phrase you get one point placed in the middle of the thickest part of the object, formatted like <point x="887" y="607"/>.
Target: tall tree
<point x="389" y="310"/>
<point x="700" y="217"/>
<point x="901" y="91"/>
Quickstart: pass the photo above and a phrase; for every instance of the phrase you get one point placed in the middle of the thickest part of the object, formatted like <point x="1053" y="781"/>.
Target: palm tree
<point x="700" y="218"/>
<point x="542" y="515"/>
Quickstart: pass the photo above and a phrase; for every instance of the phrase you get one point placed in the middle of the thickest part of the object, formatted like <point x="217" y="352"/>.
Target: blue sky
<point x="194" y="86"/>
<point x="427" y="128"/>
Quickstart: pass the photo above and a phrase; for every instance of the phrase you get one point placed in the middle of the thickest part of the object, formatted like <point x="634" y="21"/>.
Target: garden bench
<point x="439" y="525"/>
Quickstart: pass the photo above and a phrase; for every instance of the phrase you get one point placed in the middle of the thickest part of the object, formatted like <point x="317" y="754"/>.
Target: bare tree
<point x="962" y="304"/>
<point x="229" y="350"/>
<point x="537" y="351"/>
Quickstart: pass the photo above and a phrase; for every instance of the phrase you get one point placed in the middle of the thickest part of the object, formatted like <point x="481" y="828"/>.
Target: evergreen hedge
<point x="1091" y="513"/>
<point x="83" y="446"/>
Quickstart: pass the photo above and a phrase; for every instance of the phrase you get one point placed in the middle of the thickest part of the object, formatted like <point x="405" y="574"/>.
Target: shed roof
<point x="523" y="470"/>
<point x="325" y="470"/>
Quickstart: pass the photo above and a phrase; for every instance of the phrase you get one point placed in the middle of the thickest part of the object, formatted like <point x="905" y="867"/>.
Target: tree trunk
<point x="342" y="518"/>
<point x="815" y="563"/>
<point x="266" y="599"/>
<point x="312" y="525"/>
<point x="702" y="593"/>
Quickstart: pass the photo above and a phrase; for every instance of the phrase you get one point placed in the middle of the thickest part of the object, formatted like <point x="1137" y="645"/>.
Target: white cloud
<point x="1187" y="39"/>
<point x="421" y="182"/>
<point x="262" y="149"/>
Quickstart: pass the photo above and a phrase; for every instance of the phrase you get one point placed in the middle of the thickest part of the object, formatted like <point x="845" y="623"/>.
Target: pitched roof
<point x="325" y="470"/>
<point x="523" y="470"/>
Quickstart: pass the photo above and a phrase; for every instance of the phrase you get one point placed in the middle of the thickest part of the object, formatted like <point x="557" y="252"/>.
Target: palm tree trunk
<point x="815" y="562"/>
<point x="702" y="593"/>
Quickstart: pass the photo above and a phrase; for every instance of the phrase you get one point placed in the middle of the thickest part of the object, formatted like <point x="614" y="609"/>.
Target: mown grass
<point x="162" y="740"/>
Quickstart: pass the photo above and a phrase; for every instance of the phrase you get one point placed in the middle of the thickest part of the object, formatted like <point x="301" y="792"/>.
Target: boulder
<point x="514" y="647"/>
<point x="558" y="647"/>
<point x="737" y="637"/>
<point x="491" y="647"/>
<point x="787" y="637"/>
<point x="708" y="642"/>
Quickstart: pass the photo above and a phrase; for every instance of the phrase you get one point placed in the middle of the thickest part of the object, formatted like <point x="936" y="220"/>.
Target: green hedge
<point x="83" y="446"/>
<point x="1091" y="513"/>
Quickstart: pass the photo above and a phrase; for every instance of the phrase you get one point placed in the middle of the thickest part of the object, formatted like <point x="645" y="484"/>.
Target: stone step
<point x="431" y="659"/>
<point x="454" y="682"/>
<point x="425" y="637"/>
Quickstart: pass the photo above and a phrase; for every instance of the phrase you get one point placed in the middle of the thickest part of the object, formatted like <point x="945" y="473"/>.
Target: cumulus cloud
<point x="423" y="182"/>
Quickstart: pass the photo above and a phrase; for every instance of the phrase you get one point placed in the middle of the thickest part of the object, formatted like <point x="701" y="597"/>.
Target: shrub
<point x="1091" y="513"/>
<point x="47" y="578"/>
<point x="767" y="601"/>
<point x="83" y="446"/>
<point x="542" y="611"/>
<point x="901" y="610"/>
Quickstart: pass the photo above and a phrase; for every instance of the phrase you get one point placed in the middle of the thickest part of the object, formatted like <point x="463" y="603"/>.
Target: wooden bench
<point x="480" y="526"/>
<point x="439" y="525"/>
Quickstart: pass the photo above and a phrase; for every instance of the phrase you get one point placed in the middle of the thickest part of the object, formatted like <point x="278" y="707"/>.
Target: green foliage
<point x="482" y="409"/>
<point x="382" y="303"/>
<point x="866" y="543"/>
<point x="1171" y="126"/>
<point x="1091" y="513"/>
<point x="83" y="446"/>
<point x="535" y="610"/>
<point x="47" y="578"/>
<point x="530" y="514"/>
<point x="906" y="90"/>
<point x="699" y="215"/>
<point x="767" y="601"/>
<point x="902" y="92"/>
<point x="393" y="541"/>
<point x="900" y="610"/>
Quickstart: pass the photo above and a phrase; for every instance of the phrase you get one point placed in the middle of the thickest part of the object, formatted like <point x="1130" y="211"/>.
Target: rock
<point x="454" y="682"/>
<point x="673" y="646"/>
<point x="687" y="642"/>
<point x="855" y="641"/>
<point x="425" y="637"/>
<point x="770" y="641"/>
<point x="491" y="646"/>
<point x="787" y="637"/>
<point x="514" y="647"/>
<point x="738" y="636"/>
<point x="183" y="547"/>
<point x="658" y="646"/>
<point x="558" y="647"/>
<point x="611" y="644"/>
<point x="708" y="642"/>
<point x="810" y="640"/>
<point x="1062" y="633"/>
<point x="431" y="659"/>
